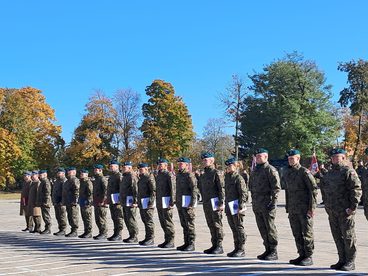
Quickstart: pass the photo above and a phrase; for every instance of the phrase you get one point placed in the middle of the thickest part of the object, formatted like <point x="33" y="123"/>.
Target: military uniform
<point x="147" y="189"/>
<point x="100" y="204"/>
<point x="60" y="209"/>
<point x="301" y="196"/>
<point x="24" y="210"/>
<point x="116" y="210"/>
<point x="85" y="202"/>
<point x="264" y="184"/>
<point x="165" y="187"/>
<point x="341" y="189"/>
<point x="236" y="189"/>
<point x="365" y="192"/>
<point x="33" y="208"/>
<point x="128" y="187"/>
<point x="211" y="185"/>
<point x="44" y="201"/>
<point x="70" y="200"/>
<point x="186" y="185"/>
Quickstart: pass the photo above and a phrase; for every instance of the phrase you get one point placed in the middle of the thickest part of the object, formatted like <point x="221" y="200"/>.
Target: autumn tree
<point x="356" y="95"/>
<point x="167" y="126"/>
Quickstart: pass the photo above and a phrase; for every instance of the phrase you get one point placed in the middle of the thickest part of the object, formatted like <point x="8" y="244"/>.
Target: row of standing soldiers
<point x="125" y="193"/>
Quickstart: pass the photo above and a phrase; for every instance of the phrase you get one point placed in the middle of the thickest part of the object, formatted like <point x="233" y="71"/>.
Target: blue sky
<point x="69" y="48"/>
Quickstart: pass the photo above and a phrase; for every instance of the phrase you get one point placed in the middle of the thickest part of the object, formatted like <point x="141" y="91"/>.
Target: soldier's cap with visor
<point x="292" y="152"/>
<point x="230" y="161"/>
<point x="337" y="151"/>
<point x="260" y="150"/>
<point x="184" y="160"/>
<point x="127" y="163"/>
<point x="207" y="155"/>
<point x="162" y="160"/>
<point x="142" y="165"/>
<point x="98" y="166"/>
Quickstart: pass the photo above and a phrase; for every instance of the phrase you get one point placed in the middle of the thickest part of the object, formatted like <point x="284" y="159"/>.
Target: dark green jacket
<point x="44" y="193"/>
<point x="165" y="187"/>
<point x="235" y="189"/>
<point x="211" y="185"/>
<point x="85" y="192"/>
<point x="100" y="191"/>
<point x="71" y="191"/>
<point x="129" y="187"/>
<point x="113" y="186"/>
<point x="186" y="184"/>
<point x="146" y="188"/>
<point x="57" y="191"/>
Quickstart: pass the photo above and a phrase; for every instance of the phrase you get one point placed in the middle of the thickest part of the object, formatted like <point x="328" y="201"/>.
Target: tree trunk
<point x="357" y="144"/>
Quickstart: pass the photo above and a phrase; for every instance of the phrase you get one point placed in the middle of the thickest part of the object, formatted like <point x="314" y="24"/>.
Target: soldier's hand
<point x="242" y="212"/>
<point x="271" y="206"/>
<point x="221" y="208"/>
<point x="134" y="205"/>
<point x="349" y="211"/>
<point x="310" y="213"/>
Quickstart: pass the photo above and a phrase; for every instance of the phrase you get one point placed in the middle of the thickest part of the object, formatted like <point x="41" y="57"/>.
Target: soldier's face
<point x="162" y="166"/>
<point x="43" y="175"/>
<point x="182" y="165"/>
<point x="231" y="168"/>
<point x="208" y="161"/>
<point x="114" y="167"/>
<point x="293" y="160"/>
<point x="261" y="158"/>
<point x="60" y="174"/>
<point x="83" y="175"/>
<point x="35" y="177"/>
<point x="337" y="158"/>
<point x="127" y="169"/>
<point x="72" y="173"/>
<point x="27" y="178"/>
<point x="97" y="171"/>
<point x="143" y="170"/>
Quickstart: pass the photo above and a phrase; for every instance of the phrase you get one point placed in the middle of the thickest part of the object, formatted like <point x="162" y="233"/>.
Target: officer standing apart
<point x="85" y="203"/>
<point x="165" y="201"/>
<point x="301" y="201"/>
<point x="57" y="195"/>
<point x="236" y="195"/>
<point x="264" y="184"/>
<point x="341" y="191"/>
<point x="211" y="186"/>
<point x="32" y="203"/>
<point x="116" y="211"/>
<point x="44" y="200"/>
<point x="186" y="199"/>
<point x="70" y="200"/>
<point x="24" y="198"/>
<point x="100" y="202"/>
<point x="146" y="202"/>
<point x="128" y="198"/>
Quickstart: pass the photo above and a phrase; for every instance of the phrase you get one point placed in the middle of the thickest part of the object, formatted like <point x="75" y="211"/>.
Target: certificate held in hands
<point x="129" y="201"/>
<point x="115" y="198"/>
<point x="186" y="199"/>
<point x="234" y="207"/>
<point x="165" y="202"/>
<point x="215" y="203"/>
<point x="145" y="201"/>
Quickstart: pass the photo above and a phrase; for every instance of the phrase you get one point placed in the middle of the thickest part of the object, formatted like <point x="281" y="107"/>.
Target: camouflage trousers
<point x="149" y="225"/>
<point x="236" y="223"/>
<point x="166" y="221"/>
<point x="73" y="216"/>
<point x="100" y="218"/>
<point x="302" y="228"/>
<point x="86" y="213"/>
<point x="29" y="221"/>
<point x="46" y="216"/>
<point x="37" y="223"/>
<point x="187" y="217"/>
<point x="130" y="218"/>
<point x="60" y="214"/>
<point x="343" y="232"/>
<point x="214" y="223"/>
<point x="117" y="217"/>
<point x="266" y="225"/>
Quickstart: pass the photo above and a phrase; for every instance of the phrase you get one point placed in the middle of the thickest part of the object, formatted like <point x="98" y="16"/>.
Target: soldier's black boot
<point x="82" y="236"/>
<point x="348" y="266"/>
<point x="189" y="247"/>
<point x="169" y="244"/>
<point x="46" y="231"/>
<point x="272" y="256"/>
<point x="181" y="247"/>
<point x="307" y="261"/>
<point x="209" y="250"/>
<point x="100" y="236"/>
<point x="263" y="255"/>
<point x="60" y="233"/>
<point x="296" y="261"/>
<point x="88" y="235"/>
<point x="148" y="242"/>
<point x="338" y="265"/>
<point x="240" y="252"/>
<point x="72" y="234"/>
<point x="162" y="245"/>
<point x="111" y="238"/>
<point x="142" y="241"/>
<point x="218" y="249"/>
<point x="26" y="230"/>
<point x="231" y="254"/>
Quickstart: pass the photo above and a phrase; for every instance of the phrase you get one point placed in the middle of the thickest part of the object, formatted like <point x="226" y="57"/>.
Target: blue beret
<point x="114" y="162"/>
<point x="71" y="169"/>
<point x="230" y="161"/>
<point x="293" y="152"/>
<point x="206" y="155"/>
<point x="98" y="166"/>
<point x="127" y="163"/>
<point x="34" y="172"/>
<point x="27" y="173"/>
<point x="162" y="160"/>
<point x="184" y="160"/>
<point x="61" y="170"/>
<point x="337" y="151"/>
<point x="42" y="171"/>
<point x="142" y="165"/>
<point x="84" y="171"/>
<point x="261" y="150"/>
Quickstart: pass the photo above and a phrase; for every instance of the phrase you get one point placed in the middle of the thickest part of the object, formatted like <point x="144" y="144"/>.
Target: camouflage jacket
<point x="113" y="185"/>
<point x="44" y="193"/>
<point x="211" y="185"/>
<point x="128" y="187"/>
<point x="100" y="191"/>
<point x="186" y="184"/>
<point x="85" y="192"/>
<point x="71" y="191"/>
<point x="165" y="187"/>
<point x="57" y="190"/>
<point x="235" y="189"/>
<point x="146" y="188"/>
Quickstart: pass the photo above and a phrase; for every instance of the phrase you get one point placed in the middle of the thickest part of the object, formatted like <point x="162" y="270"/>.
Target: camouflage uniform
<point x="24" y="205"/>
<point x="32" y="206"/>
<point x="128" y="187"/>
<point x="341" y="189"/>
<point x="147" y="188"/>
<point x="85" y="202"/>
<point x="99" y="203"/>
<point x="186" y="184"/>
<point x="165" y="187"/>
<point x="264" y="184"/>
<point x="60" y="209"/>
<point x="116" y="210"/>
<point x="211" y="185"/>
<point x="44" y="201"/>
<point x="70" y="200"/>
<point x="301" y="196"/>
<point x="236" y="189"/>
<point x="365" y="192"/>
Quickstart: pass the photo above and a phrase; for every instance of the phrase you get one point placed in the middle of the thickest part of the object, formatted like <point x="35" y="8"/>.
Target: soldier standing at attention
<point x="186" y="199"/>
<point x="341" y="190"/>
<point x="146" y="202"/>
<point x="128" y="198"/>
<point x="57" y="195"/>
<point x="85" y="202"/>
<point x="264" y="184"/>
<point x="100" y="202"/>
<point x="116" y="210"/>
<point x="44" y="200"/>
<point x="32" y="203"/>
<point x="165" y="201"/>
<point x="70" y="200"/>
<point x="211" y="186"/>
<point x="301" y="201"/>
<point x="365" y="189"/>
<point x="24" y="210"/>
<point x="236" y="195"/>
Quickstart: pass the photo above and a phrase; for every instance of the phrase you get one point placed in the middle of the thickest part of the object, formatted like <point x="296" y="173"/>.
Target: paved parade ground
<point x="34" y="254"/>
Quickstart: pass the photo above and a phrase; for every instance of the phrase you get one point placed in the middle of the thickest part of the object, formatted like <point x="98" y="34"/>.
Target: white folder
<point x="215" y="203"/>
<point x="115" y="198"/>
<point x="234" y="207"/>
<point x="165" y="202"/>
<point x="129" y="201"/>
